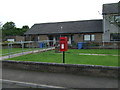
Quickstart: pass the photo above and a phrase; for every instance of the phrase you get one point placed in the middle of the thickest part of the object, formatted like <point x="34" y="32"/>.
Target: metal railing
<point x="11" y="48"/>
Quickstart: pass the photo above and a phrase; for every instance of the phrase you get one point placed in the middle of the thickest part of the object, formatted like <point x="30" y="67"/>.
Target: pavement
<point x="25" y="53"/>
<point x="58" y="79"/>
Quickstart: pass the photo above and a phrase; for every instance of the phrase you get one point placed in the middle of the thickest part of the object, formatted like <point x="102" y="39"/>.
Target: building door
<point x="69" y="37"/>
<point x="51" y="40"/>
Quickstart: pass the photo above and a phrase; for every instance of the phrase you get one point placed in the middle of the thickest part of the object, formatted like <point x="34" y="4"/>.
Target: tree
<point x="9" y="29"/>
<point x="25" y="27"/>
<point x="9" y="26"/>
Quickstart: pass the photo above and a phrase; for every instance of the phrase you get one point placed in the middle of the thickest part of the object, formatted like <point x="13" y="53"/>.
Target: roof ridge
<point x="110" y="3"/>
<point x="69" y="21"/>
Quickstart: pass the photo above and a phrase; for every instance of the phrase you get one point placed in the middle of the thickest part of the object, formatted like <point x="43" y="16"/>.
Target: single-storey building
<point x="76" y="31"/>
<point x="106" y="30"/>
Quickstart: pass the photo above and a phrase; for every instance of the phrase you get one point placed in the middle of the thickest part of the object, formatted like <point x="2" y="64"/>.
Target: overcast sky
<point x="29" y="12"/>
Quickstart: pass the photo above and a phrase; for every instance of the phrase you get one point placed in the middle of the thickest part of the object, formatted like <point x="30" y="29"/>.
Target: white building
<point x="111" y="22"/>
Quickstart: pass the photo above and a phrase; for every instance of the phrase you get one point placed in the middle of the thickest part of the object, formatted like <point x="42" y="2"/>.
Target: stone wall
<point x="17" y="38"/>
<point x="43" y="37"/>
<point x="20" y="38"/>
<point x="92" y="70"/>
<point x="80" y="37"/>
<point x="98" y="37"/>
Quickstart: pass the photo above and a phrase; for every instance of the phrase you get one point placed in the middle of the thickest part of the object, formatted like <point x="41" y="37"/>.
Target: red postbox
<point x="63" y="44"/>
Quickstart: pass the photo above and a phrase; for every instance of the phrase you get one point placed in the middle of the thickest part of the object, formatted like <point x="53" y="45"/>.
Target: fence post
<point x="32" y="47"/>
<point x="11" y="47"/>
<point x="8" y="51"/>
<point x="22" y="46"/>
<point x="29" y="46"/>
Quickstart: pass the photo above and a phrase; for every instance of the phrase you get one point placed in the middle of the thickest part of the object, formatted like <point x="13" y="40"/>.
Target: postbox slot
<point x="62" y="40"/>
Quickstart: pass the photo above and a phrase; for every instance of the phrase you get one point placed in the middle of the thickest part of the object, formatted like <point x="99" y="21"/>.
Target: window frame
<point x="91" y="37"/>
<point x="87" y="37"/>
<point x="113" y="38"/>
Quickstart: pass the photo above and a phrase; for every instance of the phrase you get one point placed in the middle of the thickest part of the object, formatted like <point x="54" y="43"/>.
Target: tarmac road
<point x="8" y="85"/>
<point x="59" y="79"/>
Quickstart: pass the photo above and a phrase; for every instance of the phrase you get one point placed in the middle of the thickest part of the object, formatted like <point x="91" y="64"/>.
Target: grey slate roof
<point x="86" y="26"/>
<point x="112" y="8"/>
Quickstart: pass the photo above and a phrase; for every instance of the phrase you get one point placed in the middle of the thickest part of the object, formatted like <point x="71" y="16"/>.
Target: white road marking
<point x="27" y="84"/>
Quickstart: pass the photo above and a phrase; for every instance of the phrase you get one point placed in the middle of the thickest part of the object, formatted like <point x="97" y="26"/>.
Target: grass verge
<point x="72" y="57"/>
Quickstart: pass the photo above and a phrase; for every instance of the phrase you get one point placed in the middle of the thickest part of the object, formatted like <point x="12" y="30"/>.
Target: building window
<point x="115" y="36"/>
<point x="114" y="19"/>
<point x="90" y="37"/>
<point x="117" y="19"/>
<point x="87" y="37"/>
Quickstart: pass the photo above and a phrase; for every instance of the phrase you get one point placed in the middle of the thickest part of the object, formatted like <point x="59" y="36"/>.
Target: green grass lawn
<point x="72" y="56"/>
<point x="5" y="52"/>
<point x="0" y="52"/>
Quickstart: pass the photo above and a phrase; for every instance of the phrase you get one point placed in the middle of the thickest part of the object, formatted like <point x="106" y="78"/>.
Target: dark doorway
<point x="50" y="38"/>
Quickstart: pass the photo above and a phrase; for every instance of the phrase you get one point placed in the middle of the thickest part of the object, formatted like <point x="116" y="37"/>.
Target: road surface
<point x="59" y="79"/>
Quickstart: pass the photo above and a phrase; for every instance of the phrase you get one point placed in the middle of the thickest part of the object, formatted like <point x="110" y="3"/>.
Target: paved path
<point x="97" y="54"/>
<point x="59" y="79"/>
<point x="25" y="53"/>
